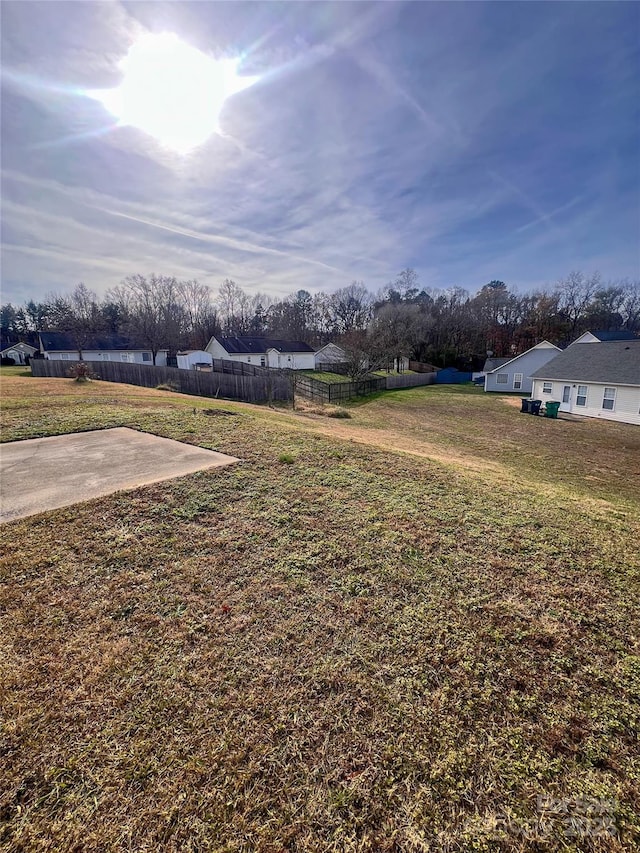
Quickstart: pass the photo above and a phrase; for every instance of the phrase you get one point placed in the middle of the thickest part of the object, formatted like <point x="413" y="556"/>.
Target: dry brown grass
<point x="358" y="651"/>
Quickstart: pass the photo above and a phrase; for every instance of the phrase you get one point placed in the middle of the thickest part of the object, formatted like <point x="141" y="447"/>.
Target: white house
<point x="600" y="381"/>
<point x="263" y="352"/>
<point x="19" y="352"/>
<point x="194" y="359"/>
<point x="513" y="375"/>
<point x="330" y="354"/>
<point x="63" y="346"/>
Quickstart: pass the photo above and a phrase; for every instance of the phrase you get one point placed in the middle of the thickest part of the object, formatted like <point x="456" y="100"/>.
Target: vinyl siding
<point x="524" y="364"/>
<point x="627" y="402"/>
<point x="135" y="357"/>
<point x="189" y="360"/>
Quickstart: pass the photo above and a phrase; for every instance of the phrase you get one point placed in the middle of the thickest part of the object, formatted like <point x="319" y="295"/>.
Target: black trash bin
<point x="534" y="407"/>
<point x="525" y="404"/>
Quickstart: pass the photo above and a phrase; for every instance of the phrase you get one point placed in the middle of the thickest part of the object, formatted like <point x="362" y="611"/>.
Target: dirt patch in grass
<point x="360" y="651"/>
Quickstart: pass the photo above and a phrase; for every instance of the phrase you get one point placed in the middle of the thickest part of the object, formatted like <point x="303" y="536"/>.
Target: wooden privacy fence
<point x="261" y="386"/>
<point x="410" y="380"/>
<point x="238" y="368"/>
<point x="422" y="367"/>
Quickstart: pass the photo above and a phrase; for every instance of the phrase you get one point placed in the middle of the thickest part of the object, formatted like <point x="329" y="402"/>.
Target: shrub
<point x="7" y="361"/>
<point x="167" y="386"/>
<point x="286" y="457"/>
<point x="339" y="413"/>
<point x="81" y="372"/>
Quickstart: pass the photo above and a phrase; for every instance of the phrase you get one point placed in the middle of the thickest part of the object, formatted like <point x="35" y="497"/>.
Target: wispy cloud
<point x="380" y="135"/>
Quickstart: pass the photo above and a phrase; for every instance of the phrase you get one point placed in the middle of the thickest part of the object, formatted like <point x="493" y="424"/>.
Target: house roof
<point x="20" y="345"/>
<point x="619" y="335"/>
<point x="64" y="342"/>
<point x="330" y="344"/>
<point x="251" y="345"/>
<point x="612" y="362"/>
<point x="491" y="364"/>
<point x="542" y="345"/>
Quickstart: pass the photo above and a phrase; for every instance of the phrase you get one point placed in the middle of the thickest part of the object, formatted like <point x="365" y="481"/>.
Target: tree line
<point x="437" y="326"/>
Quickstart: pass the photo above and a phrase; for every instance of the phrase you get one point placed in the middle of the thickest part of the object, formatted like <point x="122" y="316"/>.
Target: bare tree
<point x="394" y="333"/>
<point x="84" y="319"/>
<point x="235" y="308"/>
<point x="153" y="305"/>
<point x="362" y="354"/>
<point x="576" y="292"/>
<point x="631" y="305"/>
<point x="350" y="308"/>
<point x="200" y="315"/>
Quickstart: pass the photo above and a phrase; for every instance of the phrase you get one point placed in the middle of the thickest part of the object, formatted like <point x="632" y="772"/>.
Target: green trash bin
<point x="534" y="407"/>
<point x="551" y="409"/>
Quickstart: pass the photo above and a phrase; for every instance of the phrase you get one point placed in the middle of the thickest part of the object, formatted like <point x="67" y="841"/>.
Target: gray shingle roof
<point x="492" y="363"/>
<point x="609" y="362"/>
<point x="618" y="335"/>
<point x="65" y="342"/>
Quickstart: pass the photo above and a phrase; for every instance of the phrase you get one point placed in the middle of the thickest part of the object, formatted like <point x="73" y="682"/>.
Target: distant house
<point x="599" y="381"/>
<point x="194" y="359"/>
<point x="491" y="364"/>
<point x="19" y="352"/>
<point x="602" y="336"/>
<point x="330" y="354"/>
<point x="263" y="352"/>
<point x="62" y="346"/>
<point x="513" y="375"/>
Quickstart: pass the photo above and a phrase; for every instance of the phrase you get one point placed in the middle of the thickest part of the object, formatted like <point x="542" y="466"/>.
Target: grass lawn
<point x="325" y="376"/>
<point x="392" y="372"/>
<point x="418" y="634"/>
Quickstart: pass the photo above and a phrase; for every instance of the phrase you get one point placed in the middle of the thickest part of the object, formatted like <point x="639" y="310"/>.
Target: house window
<point x="146" y="356"/>
<point x="609" y="399"/>
<point x="517" y="381"/>
<point x="502" y="379"/>
<point x="547" y="387"/>
<point x="126" y="356"/>
<point x="581" y="396"/>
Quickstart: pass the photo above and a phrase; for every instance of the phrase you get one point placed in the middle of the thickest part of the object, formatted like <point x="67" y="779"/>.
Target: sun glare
<point x="172" y="91"/>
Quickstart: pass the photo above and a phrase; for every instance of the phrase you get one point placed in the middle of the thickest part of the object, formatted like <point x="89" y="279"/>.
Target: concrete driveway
<point x="47" y="473"/>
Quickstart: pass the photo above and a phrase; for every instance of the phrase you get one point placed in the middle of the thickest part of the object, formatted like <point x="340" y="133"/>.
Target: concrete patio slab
<point x="40" y="474"/>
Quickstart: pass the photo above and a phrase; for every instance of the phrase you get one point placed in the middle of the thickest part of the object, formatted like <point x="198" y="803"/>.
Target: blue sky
<point x="472" y="141"/>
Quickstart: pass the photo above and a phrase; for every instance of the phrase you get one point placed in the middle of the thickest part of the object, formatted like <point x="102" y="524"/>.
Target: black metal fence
<point x="333" y="367"/>
<point x="233" y="380"/>
<point x="336" y="392"/>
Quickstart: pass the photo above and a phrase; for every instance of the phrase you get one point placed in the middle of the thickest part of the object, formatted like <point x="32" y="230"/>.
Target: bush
<point x="81" y="372"/>
<point x="286" y="457"/>
<point x="7" y="361"/>
<point x="167" y="386"/>
<point x="339" y="413"/>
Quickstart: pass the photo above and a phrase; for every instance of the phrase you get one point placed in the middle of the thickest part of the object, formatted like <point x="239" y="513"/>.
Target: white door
<point x="565" y="405"/>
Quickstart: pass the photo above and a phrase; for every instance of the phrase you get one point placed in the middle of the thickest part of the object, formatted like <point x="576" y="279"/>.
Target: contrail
<point x="224" y="241"/>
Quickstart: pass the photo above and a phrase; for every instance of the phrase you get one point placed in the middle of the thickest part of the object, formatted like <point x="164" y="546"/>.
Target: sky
<point x="470" y="141"/>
